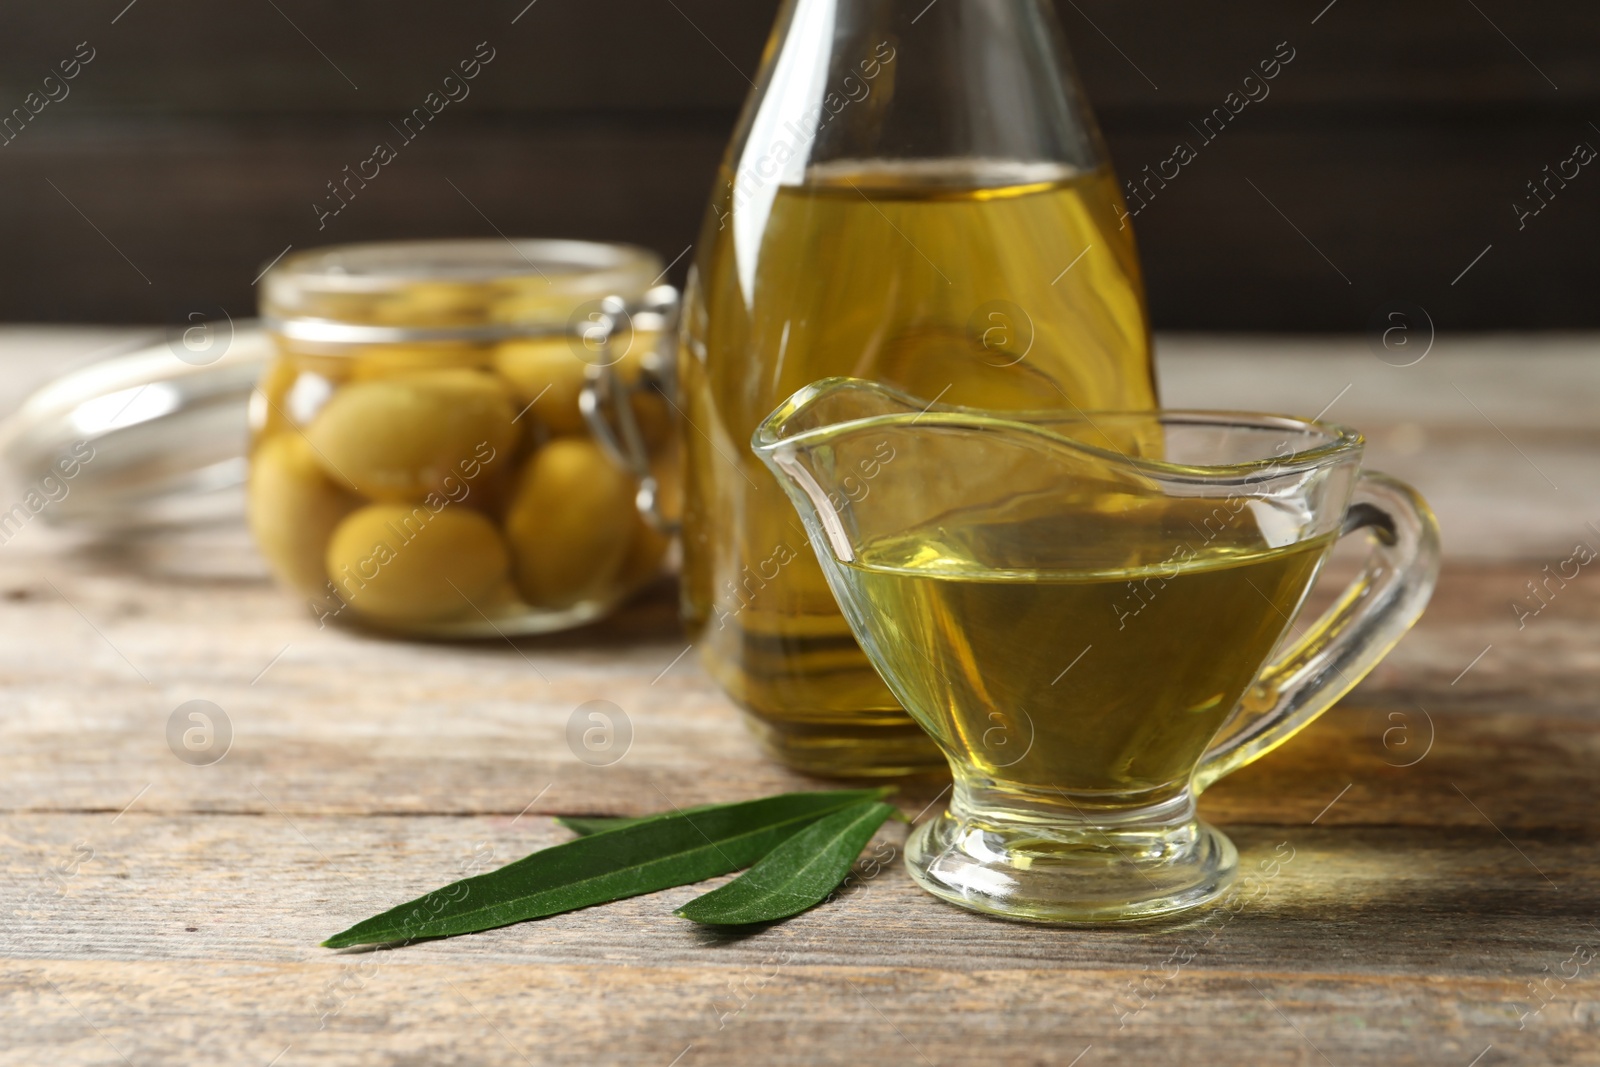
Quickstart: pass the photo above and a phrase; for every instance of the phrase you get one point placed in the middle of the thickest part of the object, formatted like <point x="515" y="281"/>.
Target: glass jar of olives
<point x="464" y="438"/>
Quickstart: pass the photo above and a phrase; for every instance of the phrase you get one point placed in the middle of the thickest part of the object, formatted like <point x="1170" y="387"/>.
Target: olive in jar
<point x="397" y="439"/>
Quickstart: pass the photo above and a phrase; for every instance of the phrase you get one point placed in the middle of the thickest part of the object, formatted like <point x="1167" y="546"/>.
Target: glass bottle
<point x="916" y="194"/>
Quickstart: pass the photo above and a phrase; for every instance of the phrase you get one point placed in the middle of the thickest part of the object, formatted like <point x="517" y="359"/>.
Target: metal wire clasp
<point x="606" y="400"/>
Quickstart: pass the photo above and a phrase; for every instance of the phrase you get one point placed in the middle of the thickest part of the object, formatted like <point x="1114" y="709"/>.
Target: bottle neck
<point x="910" y="80"/>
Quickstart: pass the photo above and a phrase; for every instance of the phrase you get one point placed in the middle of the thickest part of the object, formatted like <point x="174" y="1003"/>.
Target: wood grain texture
<point x="1436" y="836"/>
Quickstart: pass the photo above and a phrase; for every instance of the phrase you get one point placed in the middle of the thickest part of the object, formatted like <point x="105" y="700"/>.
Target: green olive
<point x="391" y="361"/>
<point x="650" y="408"/>
<point x="416" y="436"/>
<point x="546" y="373"/>
<point x="293" y="509"/>
<point x="266" y="412"/>
<point x="530" y="299"/>
<point x="433" y="304"/>
<point x="570" y="523"/>
<point x="395" y="563"/>
<point x="296" y="360"/>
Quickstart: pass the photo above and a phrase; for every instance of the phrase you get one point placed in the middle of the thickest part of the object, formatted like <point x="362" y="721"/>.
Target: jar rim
<point x="459" y="291"/>
<point x="379" y="266"/>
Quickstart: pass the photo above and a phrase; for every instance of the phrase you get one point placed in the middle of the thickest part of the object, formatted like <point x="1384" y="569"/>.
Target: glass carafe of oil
<point x="916" y="194"/>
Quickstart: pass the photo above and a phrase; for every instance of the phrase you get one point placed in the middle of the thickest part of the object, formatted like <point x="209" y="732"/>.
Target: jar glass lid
<point x="158" y="440"/>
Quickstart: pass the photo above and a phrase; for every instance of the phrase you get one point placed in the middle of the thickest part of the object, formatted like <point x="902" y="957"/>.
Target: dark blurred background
<point x="1389" y="157"/>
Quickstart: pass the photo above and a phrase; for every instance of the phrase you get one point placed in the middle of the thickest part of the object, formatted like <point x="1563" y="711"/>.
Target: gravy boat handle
<point x="1342" y="646"/>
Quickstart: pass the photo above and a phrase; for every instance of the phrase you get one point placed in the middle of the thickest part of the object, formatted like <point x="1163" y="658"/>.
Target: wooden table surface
<point x="1438" y="907"/>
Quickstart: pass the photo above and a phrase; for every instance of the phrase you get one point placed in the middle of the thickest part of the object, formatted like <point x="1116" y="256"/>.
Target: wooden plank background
<point x="1442" y="821"/>
<point x="190" y="151"/>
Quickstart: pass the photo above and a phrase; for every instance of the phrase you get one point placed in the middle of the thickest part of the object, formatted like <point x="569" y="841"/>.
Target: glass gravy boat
<point x="1094" y="616"/>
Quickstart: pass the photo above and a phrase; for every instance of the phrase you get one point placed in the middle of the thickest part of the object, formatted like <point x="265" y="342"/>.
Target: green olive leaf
<point x="798" y="874"/>
<point x="584" y="825"/>
<point x="654" y="853"/>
